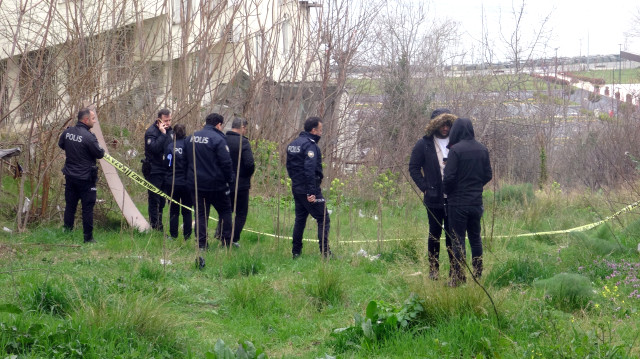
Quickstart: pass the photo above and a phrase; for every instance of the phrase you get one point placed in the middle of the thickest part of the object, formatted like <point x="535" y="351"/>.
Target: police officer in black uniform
<point x="176" y="183"/>
<point x="210" y="177"/>
<point x="154" y="169"/>
<point x="81" y="173"/>
<point x="244" y="167"/>
<point x="304" y="165"/>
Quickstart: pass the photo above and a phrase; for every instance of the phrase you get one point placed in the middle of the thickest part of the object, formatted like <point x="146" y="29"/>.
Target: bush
<point x="325" y="287"/>
<point x="150" y="271"/>
<point x="381" y="320"/>
<point x="49" y="298"/>
<point x="516" y="271"/>
<point x="630" y="234"/>
<point x="252" y="294"/>
<point x="598" y="246"/>
<point x="517" y="193"/>
<point x="245" y="350"/>
<point x="244" y="265"/>
<point x="567" y="291"/>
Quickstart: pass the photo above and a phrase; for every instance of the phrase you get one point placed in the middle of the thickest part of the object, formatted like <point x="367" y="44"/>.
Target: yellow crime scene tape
<point x="144" y="183"/>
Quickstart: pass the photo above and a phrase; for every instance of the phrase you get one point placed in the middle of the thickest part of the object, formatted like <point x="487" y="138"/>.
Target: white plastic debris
<point x="163" y="262"/>
<point x="330" y="211"/>
<point x="360" y="214"/>
<point x="363" y="253"/>
<point x="7" y="230"/>
<point x="26" y="205"/>
<point x="132" y="153"/>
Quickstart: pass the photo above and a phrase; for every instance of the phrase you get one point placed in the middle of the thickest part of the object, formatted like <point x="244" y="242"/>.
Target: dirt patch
<point x="6" y="251"/>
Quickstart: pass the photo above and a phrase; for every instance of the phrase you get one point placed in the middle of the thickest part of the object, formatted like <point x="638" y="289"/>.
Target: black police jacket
<point x="175" y="159"/>
<point x="154" y="144"/>
<point x="212" y="160"/>
<point x="247" y="165"/>
<point x="424" y="168"/>
<point x="468" y="166"/>
<point x="82" y="150"/>
<point x="304" y="164"/>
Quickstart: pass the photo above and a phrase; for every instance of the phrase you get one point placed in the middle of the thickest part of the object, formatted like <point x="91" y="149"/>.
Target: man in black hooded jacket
<point x="425" y="166"/>
<point x="467" y="170"/>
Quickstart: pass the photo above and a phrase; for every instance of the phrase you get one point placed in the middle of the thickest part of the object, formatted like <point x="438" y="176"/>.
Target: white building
<point x="142" y="54"/>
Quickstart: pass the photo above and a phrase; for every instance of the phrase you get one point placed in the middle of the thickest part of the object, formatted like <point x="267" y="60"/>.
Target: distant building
<point x="144" y="54"/>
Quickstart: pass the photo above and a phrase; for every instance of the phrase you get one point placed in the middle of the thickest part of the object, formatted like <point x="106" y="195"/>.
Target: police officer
<point x="176" y="183"/>
<point x="154" y="169"/>
<point x="210" y="177"/>
<point x="81" y="173"/>
<point x="244" y="166"/>
<point x="304" y="165"/>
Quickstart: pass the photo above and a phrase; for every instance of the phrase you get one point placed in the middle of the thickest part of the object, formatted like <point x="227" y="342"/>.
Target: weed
<point x="134" y="320"/>
<point x="150" y="271"/>
<point x="567" y="291"/>
<point x="325" y="287"/>
<point x="244" y="265"/>
<point x="245" y="350"/>
<point x="521" y="194"/>
<point x="49" y="298"/>
<point x="380" y="321"/>
<point x="252" y="294"/>
<point x="516" y="271"/>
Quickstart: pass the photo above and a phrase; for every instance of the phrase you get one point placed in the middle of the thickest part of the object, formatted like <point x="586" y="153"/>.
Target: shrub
<point x="325" y="287"/>
<point x="251" y="294"/>
<point x="380" y="321"/>
<point x="135" y="322"/>
<point x="150" y="271"/>
<point x="516" y="271"/>
<point x="244" y="265"/>
<point x="49" y="298"/>
<point x="518" y="193"/>
<point x="567" y="291"/>
<point x="630" y="234"/>
<point x="245" y="350"/>
<point x="598" y="246"/>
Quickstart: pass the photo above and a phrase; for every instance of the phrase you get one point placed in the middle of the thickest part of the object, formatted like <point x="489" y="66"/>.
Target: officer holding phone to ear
<point x="154" y="170"/>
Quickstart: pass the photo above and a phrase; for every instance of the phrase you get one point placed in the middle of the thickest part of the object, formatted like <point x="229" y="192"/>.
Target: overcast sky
<point x="576" y="27"/>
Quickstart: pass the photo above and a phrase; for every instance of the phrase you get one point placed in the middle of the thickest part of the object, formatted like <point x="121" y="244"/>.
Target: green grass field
<point x="138" y="295"/>
<point x="627" y="76"/>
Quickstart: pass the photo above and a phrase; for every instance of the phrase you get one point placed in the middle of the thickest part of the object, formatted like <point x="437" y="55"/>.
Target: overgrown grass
<point x="139" y="295"/>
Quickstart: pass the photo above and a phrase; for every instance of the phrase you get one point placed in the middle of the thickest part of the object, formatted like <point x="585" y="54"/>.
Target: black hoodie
<point x="468" y="167"/>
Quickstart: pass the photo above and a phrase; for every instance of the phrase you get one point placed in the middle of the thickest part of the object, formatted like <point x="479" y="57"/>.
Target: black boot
<point x="434" y="268"/>
<point x="476" y="262"/>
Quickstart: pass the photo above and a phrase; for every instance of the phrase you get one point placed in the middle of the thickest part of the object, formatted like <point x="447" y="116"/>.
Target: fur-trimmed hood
<point x="435" y="123"/>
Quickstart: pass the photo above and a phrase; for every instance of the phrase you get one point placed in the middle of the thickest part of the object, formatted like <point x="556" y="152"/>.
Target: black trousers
<point x="437" y="220"/>
<point x="221" y="202"/>
<point x="181" y="195"/>
<point x="465" y="220"/>
<point x="317" y="210"/>
<point x="85" y="191"/>
<point x="156" y="202"/>
<point x="242" y="209"/>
